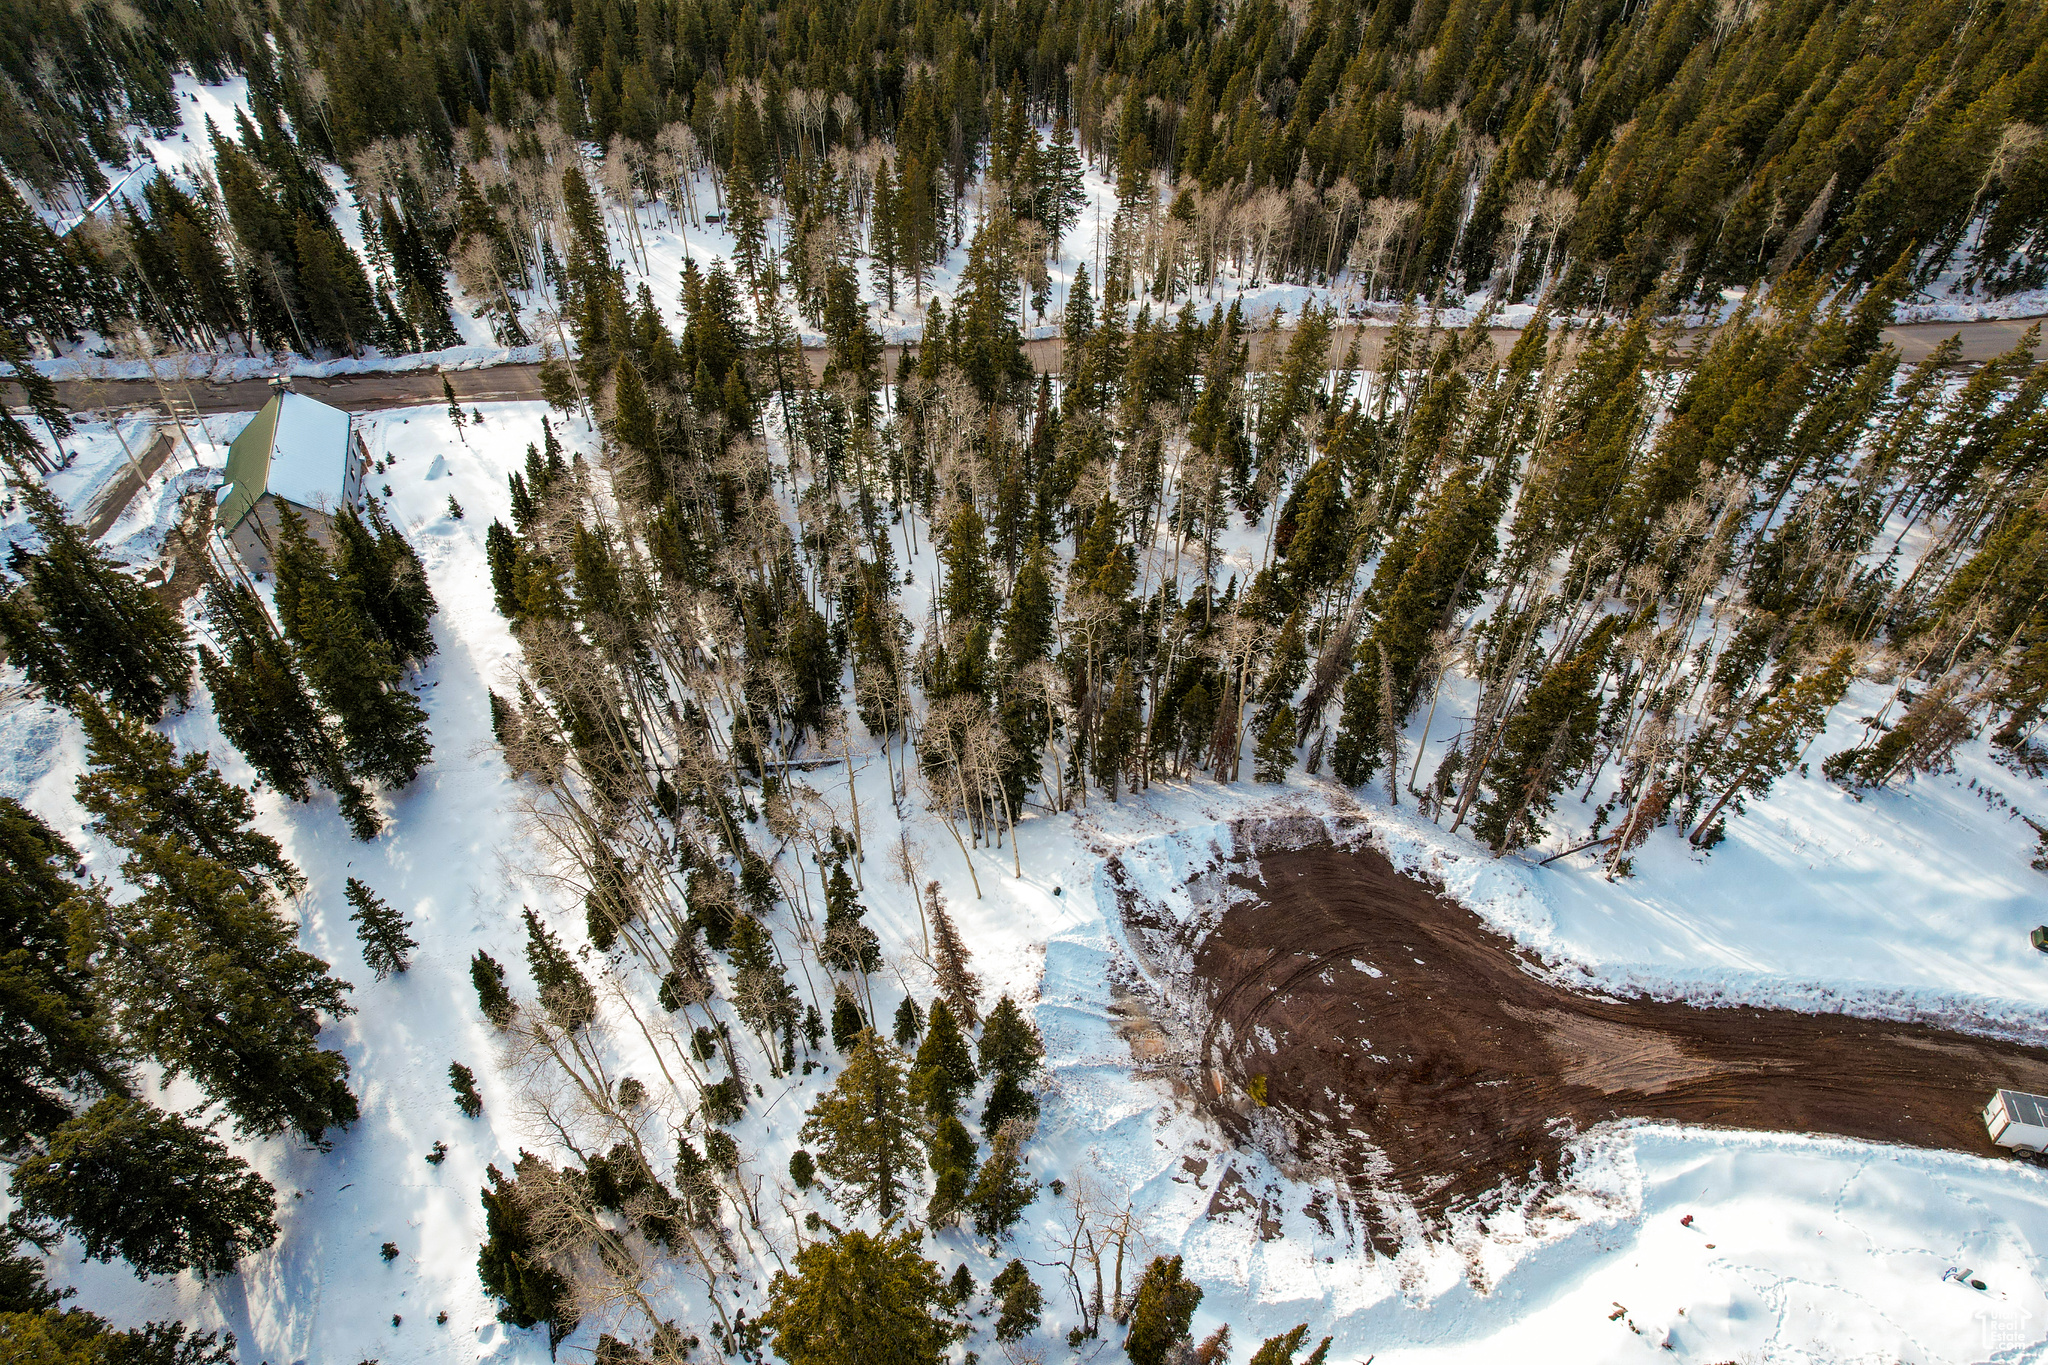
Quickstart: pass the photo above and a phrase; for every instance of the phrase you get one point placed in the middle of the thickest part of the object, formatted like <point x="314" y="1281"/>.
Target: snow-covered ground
<point x="1800" y="1249"/>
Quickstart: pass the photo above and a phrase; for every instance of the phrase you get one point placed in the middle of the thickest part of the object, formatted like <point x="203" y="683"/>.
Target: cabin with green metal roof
<point x="297" y="450"/>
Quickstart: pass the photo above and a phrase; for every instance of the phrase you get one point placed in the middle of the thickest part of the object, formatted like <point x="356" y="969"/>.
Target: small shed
<point x="2018" y="1120"/>
<point x="297" y="450"/>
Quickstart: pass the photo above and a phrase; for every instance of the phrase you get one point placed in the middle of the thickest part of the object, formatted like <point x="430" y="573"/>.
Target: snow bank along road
<point x="520" y="383"/>
<point x="1392" y="1032"/>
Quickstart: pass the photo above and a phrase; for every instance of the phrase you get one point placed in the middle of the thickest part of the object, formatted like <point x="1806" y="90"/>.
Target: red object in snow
<point x="1686" y="1221"/>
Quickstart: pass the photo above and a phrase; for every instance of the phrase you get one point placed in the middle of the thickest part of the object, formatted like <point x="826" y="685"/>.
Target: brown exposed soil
<point x="1399" y="1038"/>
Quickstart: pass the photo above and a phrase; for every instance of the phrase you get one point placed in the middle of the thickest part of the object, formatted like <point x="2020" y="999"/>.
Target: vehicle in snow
<point x="2018" y="1120"/>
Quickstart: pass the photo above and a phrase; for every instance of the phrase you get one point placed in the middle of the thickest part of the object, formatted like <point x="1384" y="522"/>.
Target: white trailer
<point x="2018" y="1120"/>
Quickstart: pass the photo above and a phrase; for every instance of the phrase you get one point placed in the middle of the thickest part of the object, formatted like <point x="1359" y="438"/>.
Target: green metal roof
<point x="249" y="466"/>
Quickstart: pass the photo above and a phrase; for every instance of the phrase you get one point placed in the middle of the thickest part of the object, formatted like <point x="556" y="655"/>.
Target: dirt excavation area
<point x="1390" y="1033"/>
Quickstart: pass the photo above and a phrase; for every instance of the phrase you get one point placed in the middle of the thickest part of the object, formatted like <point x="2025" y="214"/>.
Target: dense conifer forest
<point x="1642" y="566"/>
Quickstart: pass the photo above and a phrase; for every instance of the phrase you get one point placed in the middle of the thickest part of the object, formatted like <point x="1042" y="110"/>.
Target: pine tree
<point x="761" y="994"/>
<point x="130" y="1181"/>
<point x="847" y="1025"/>
<point x="1020" y="1302"/>
<point x="860" y="1299"/>
<point x="382" y="576"/>
<point x="1002" y="1190"/>
<point x="138" y="789"/>
<point x="502" y="554"/>
<point x="565" y="993"/>
<point x="848" y="944"/>
<point x="352" y="667"/>
<point x="862" y="1129"/>
<point x="908" y="1022"/>
<point x="1275" y="752"/>
<point x="54" y="1040"/>
<point x="1028" y="622"/>
<point x="1010" y="1045"/>
<point x="17" y="442"/>
<point x="1161" y="1310"/>
<point x="952" y="1159"/>
<point x="454" y="408"/>
<point x="463" y="1082"/>
<point x="380" y="929"/>
<point x="1065" y="191"/>
<point x="957" y="985"/>
<point x="1280" y="1350"/>
<point x="264" y="708"/>
<point x="77" y="621"/>
<point x="1777" y="730"/>
<point x="1010" y="1052"/>
<point x="943" y="1073"/>
<point x="1548" y="739"/>
<point x="529" y="1290"/>
<point x="205" y="979"/>
<point x="487" y="974"/>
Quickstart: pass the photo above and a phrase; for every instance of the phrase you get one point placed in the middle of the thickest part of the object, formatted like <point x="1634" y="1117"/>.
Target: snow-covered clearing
<point x="1911" y="902"/>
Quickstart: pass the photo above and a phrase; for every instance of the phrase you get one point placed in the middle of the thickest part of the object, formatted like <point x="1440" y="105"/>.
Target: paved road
<point x="1981" y="341"/>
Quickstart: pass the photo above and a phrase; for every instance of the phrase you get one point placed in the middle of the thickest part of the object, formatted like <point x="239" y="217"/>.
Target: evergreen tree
<point x="1020" y="1302"/>
<point x="203" y="977"/>
<point x="943" y="1073"/>
<point x="487" y="974"/>
<point x="958" y="986"/>
<point x="847" y="1024"/>
<point x="76" y="621"/>
<point x="381" y="930"/>
<point x="1275" y="752"/>
<point x="1011" y="1052"/>
<point x="952" y="1159"/>
<point x="1028" y="622"/>
<point x="383" y="577"/>
<point x="1064" y="188"/>
<point x="352" y="667"/>
<point x="142" y="794"/>
<point x="1010" y="1045"/>
<point x="860" y="1299"/>
<point x="529" y="1290"/>
<point x="908" y="1022"/>
<point x="565" y="992"/>
<point x="463" y="1082"/>
<point x="339" y="308"/>
<point x="1161" y="1310"/>
<point x="17" y="442"/>
<point x="862" y="1129"/>
<point x="1548" y="739"/>
<point x="1780" y="727"/>
<point x="1280" y="1350"/>
<point x="848" y="944"/>
<point x="54" y="1040"/>
<point x="501" y="553"/>
<point x="762" y="995"/>
<point x="265" y="710"/>
<point x="1002" y="1190"/>
<point x="130" y="1181"/>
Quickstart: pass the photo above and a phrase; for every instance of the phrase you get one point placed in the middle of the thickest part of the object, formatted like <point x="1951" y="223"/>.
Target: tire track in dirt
<point x="1391" y="1026"/>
